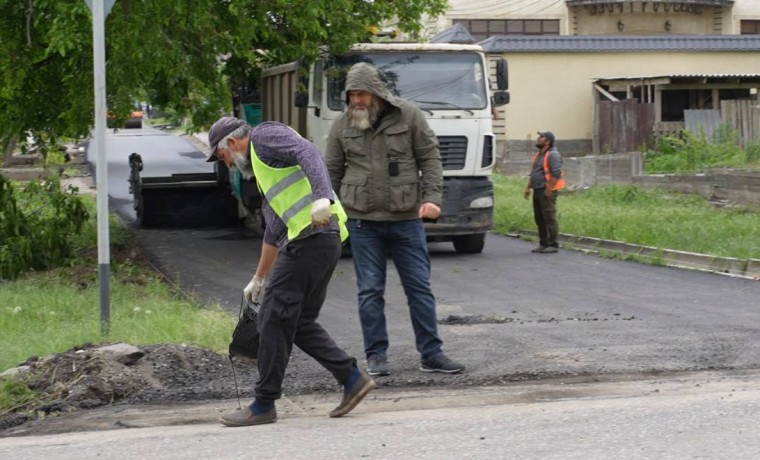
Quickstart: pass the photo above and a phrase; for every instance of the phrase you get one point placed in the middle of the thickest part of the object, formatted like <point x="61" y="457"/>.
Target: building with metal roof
<point x="617" y="43"/>
<point x="590" y="70"/>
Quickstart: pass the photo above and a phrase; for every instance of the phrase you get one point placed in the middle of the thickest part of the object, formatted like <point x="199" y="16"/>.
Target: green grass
<point x="634" y="215"/>
<point x="44" y="313"/>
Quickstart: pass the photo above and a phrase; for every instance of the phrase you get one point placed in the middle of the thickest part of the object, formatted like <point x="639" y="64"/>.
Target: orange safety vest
<point x="560" y="184"/>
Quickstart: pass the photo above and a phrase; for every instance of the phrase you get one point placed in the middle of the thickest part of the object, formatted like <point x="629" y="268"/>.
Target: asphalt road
<point x="508" y="314"/>
<point x="163" y="154"/>
<point x="569" y="356"/>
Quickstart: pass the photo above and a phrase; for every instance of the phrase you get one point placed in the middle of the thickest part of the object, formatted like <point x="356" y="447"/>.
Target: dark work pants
<point x="545" y="214"/>
<point x="295" y="292"/>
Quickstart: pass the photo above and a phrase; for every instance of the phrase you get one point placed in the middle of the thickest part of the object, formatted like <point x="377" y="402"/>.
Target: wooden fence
<point x="740" y="116"/>
<point x="623" y="126"/>
<point x="743" y="118"/>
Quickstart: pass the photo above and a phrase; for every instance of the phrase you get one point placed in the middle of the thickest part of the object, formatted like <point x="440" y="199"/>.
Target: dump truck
<point x="452" y="84"/>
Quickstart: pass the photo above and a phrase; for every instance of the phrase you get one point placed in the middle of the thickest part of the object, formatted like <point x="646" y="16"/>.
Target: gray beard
<point x="362" y="119"/>
<point x="243" y="163"/>
<point x="359" y="119"/>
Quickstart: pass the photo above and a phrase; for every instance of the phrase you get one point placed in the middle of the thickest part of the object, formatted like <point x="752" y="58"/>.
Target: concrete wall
<point x="627" y="168"/>
<point x="743" y="188"/>
<point x="523" y="149"/>
<point x="584" y="172"/>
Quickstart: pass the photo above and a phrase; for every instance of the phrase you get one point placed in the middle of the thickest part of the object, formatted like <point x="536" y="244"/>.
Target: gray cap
<point x="548" y="135"/>
<point x="219" y="130"/>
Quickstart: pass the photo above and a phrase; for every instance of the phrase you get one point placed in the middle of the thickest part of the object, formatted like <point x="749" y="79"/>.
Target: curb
<point x="744" y="268"/>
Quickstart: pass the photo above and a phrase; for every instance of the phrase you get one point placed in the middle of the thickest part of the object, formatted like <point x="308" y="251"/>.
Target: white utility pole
<point x="100" y="9"/>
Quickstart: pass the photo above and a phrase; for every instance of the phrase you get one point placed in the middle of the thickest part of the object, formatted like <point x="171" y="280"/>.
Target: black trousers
<point x="545" y="215"/>
<point x="295" y="292"/>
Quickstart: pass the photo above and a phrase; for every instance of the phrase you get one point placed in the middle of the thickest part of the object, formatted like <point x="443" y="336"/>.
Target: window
<point x="432" y="80"/>
<point x="750" y="27"/>
<point x="481" y="29"/>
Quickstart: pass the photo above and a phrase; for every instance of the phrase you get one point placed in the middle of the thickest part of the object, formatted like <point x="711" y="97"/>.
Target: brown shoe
<point x="547" y="250"/>
<point x="246" y="418"/>
<point x="351" y="399"/>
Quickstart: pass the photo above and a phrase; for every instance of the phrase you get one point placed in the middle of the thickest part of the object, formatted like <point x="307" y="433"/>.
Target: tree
<point x="178" y="55"/>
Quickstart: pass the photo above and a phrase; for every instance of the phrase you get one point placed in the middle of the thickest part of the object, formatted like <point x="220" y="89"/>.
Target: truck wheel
<point x="470" y="244"/>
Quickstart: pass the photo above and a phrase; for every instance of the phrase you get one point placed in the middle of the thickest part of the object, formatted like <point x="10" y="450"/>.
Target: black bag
<point x="245" y="337"/>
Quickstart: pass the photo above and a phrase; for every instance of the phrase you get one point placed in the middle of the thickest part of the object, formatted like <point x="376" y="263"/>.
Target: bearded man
<point x="383" y="159"/>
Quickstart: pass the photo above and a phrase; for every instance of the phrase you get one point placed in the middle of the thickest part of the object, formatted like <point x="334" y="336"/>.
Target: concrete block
<point x="753" y="268"/>
<point x="24" y="174"/>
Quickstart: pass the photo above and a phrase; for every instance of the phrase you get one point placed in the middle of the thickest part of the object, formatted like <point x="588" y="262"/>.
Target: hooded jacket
<point x="358" y="160"/>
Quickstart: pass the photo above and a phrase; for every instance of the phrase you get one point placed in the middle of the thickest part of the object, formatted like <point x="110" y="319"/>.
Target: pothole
<point x="467" y="320"/>
<point x="474" y="319"/>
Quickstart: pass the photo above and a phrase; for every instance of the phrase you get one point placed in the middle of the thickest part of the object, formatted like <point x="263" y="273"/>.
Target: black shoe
<point x="378" y="365"/>
<point x="246" y="418"/>
<point x="351" y="398"/>
<point x="441" y="363"/>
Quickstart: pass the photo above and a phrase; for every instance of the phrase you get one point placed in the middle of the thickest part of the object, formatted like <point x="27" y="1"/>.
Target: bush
<point x="37" y="223"/>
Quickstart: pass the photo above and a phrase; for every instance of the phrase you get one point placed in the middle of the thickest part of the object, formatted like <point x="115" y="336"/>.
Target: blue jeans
<point x="371" y="244"/>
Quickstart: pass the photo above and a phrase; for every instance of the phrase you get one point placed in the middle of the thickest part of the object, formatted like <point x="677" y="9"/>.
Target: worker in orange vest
<point x="545" y="180"/>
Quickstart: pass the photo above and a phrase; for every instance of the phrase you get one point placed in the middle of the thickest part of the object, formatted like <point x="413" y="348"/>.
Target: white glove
<point x="252" y="291"/>
<point x="320" y="212"/>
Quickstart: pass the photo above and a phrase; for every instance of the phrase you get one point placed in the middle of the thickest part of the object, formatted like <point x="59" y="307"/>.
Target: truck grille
<point x="453" y="151"/>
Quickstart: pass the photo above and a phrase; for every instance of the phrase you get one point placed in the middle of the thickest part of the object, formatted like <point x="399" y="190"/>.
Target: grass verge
<point x="647" y="217"/>
<point x="53" y="311"/>
<point x="49" y="313"/>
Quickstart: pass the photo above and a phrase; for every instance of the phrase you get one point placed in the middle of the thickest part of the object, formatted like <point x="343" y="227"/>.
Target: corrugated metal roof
<point x="684" y="75"/>
<point x="618" y="43"/>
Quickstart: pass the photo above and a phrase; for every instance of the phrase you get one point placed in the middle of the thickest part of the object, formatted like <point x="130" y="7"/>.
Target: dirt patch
<point x="88" y="377"/>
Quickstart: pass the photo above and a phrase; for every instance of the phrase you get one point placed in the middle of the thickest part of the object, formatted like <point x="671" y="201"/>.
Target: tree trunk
<point x="10" y="147"/>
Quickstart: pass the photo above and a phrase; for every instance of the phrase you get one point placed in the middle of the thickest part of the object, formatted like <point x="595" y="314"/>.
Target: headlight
<point x="482" y="202"/>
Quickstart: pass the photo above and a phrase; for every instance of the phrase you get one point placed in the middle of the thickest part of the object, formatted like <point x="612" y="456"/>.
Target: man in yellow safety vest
<point x="305" y="225"/>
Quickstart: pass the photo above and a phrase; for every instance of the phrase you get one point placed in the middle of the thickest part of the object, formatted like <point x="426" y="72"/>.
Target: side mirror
<point x="500" y="98"/>
<point x="301" y="96"/>
<point x="301" y="99"/>
<point x="502" y="75"/>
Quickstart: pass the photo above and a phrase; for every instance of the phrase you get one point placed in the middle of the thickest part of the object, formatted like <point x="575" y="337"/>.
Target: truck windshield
<point x="432" y="80"/>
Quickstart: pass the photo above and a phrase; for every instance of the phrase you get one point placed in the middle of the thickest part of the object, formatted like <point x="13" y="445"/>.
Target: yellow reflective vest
<point x="289" y="193"/>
